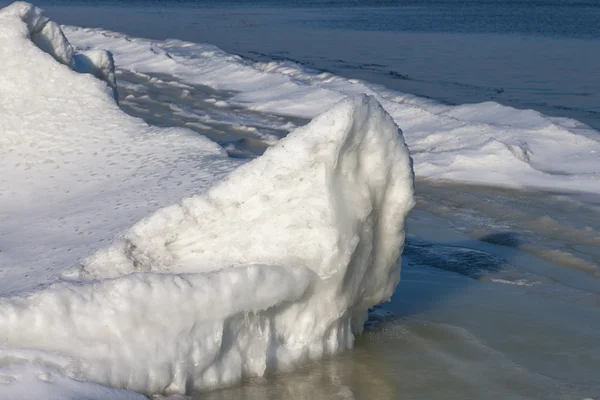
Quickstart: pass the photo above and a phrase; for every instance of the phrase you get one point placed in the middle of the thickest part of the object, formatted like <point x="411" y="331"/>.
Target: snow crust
<point x="276" y="264"/>
<point x="484" y="143"/>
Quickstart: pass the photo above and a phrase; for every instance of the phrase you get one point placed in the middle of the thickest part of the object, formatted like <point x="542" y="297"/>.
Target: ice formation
<point x="274" y="265"/>
<point x="485" y="143"/>
<point x="21" y="19"/>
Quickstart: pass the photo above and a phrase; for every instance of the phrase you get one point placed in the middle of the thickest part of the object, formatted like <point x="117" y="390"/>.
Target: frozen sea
<point x="499" y="103"/>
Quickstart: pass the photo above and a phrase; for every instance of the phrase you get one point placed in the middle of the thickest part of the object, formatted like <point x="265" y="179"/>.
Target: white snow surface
<point x="275" y="264"/>
<point x="484" y="143"/>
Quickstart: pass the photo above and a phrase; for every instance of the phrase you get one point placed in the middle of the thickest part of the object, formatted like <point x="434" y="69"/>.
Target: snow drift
<point x="485" y="144"/>
<point x="21" y="19"/>
<point x="275" y="265"/>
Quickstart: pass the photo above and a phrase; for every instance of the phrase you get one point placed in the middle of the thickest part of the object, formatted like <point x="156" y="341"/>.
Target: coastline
<point x="486" y="271"/>
<point x="552" y="75"/>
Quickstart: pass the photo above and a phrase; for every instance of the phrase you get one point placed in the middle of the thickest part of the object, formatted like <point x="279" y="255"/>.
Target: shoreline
<point x="396" y="60"/>
<point x="230" y="261"/>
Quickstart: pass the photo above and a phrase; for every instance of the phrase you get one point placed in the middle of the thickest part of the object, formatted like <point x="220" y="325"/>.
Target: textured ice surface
<point x="485" y="143"/>
<point x="274" y="265"/>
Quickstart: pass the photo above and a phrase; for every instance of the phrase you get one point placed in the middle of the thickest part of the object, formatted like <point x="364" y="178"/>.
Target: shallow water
<point x="418" y="368"/>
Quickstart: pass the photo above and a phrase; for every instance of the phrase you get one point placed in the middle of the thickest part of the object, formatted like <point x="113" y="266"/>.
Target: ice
<point x="99" y="63"/>
<point x="274" y="265"/>
<point x="486" y="143"/>
<point x="46" y="34"/>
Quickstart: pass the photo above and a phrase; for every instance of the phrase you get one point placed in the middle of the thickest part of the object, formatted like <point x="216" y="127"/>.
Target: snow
<point x="99" y="63"/>
<point x="25" y="380"/>
<point x="486" y="143"/>
<point x="275" y="264"/>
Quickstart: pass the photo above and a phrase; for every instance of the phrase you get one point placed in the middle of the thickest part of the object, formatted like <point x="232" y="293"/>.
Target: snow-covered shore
<point x="484" y="144"/>
<point x="276" y="264"/>
<point x="145" y="258"/>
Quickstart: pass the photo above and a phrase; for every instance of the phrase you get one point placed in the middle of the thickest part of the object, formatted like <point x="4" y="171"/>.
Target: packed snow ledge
<point x="273" y="265"/>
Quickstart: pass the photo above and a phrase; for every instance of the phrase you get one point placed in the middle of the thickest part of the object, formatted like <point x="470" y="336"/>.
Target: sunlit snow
<point x="274" y="265"/>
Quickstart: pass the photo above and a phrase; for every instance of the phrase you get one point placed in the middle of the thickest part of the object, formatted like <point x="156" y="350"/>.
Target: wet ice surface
<point x="560" y="227"/>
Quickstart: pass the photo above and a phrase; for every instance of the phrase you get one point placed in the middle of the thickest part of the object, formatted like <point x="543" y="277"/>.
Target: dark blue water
<point x="538" y="54"/>
<point x="551" y="18"/>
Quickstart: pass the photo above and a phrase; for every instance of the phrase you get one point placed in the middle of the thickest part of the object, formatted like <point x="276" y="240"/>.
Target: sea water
<point x="500" y="296"/>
